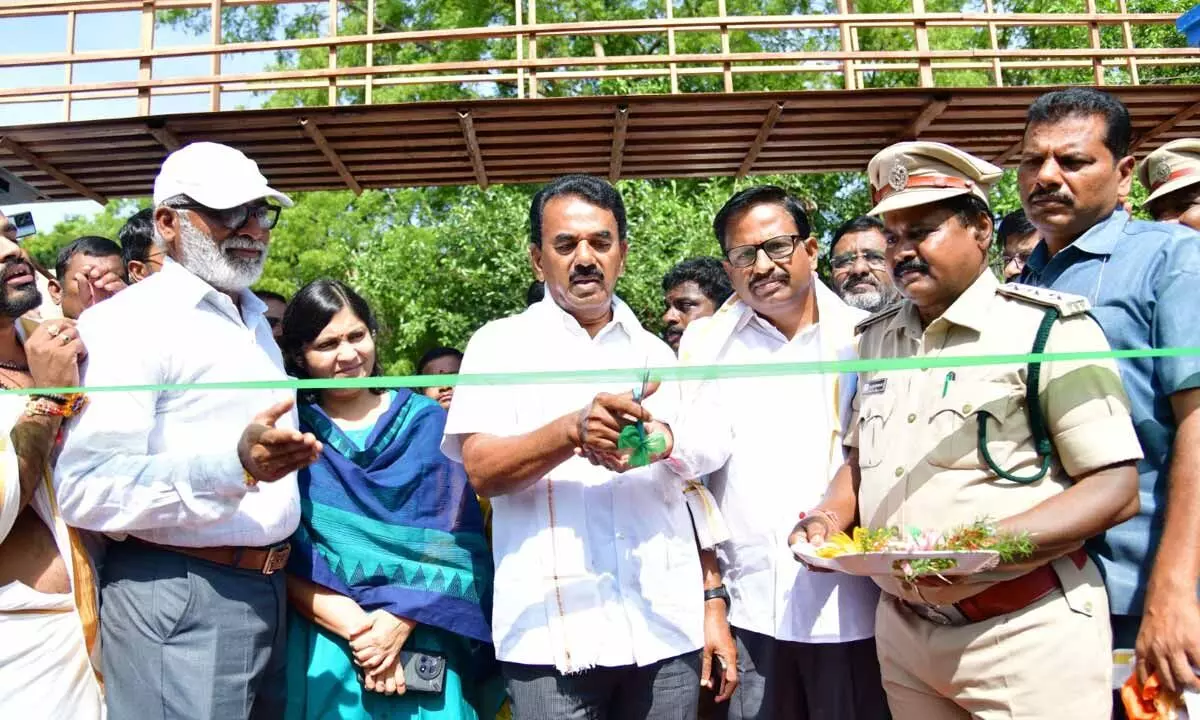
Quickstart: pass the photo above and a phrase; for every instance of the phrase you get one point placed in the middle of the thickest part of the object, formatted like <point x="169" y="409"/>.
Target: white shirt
<point x="627" y="537"/>
<point x="163" y="465"/>
<point x="772" y="445"/>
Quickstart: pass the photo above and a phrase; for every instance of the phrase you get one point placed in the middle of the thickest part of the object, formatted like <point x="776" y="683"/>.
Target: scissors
<point x="637" y="397"/>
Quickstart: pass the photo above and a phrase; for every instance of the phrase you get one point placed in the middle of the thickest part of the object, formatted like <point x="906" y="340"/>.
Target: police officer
<point x="1023" y="640"/>
<point x="1172" y="175"/>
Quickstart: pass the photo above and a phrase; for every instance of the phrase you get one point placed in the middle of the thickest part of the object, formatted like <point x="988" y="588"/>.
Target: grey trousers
<point x="783" y="680"/>
<point x="667" y="690"/>
<point x="185" y="638"/>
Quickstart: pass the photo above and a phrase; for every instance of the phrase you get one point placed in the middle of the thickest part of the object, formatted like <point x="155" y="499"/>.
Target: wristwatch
<point x="717" y="592"/>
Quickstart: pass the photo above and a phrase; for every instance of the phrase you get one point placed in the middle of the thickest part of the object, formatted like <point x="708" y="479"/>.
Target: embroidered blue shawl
<point x="395" y="525"/>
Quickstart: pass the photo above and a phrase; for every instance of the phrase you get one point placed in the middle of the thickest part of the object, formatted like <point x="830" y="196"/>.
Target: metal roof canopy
<point x="532" y="140"/>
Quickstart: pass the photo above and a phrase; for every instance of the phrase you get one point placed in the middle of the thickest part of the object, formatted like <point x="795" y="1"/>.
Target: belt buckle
<point x="945" y="615"/>
<point x="277" y="558"/>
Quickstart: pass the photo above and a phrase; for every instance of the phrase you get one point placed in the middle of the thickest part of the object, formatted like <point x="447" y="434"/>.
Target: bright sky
<point x="102" y="31"/>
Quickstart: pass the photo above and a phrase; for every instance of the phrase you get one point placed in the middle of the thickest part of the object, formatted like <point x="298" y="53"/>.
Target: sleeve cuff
<point x="1097" y="444"/>
<point x="220" y="474"/>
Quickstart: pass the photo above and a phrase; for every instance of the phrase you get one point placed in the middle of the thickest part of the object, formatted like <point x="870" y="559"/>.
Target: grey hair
<point x="174" y="202"/>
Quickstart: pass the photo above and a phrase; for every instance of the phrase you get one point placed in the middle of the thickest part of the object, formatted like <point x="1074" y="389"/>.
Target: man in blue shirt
<point x="1143" y="281"/>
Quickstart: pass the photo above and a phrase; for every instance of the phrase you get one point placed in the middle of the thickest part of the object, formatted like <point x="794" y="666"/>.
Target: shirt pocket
<point x="873" y="416"/>
<point x="954" y="426"/>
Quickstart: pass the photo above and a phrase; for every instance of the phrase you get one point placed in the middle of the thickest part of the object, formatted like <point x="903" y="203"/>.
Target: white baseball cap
<point x="214" y="175"/>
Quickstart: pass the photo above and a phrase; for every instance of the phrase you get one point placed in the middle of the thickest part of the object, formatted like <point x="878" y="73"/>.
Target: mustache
<point x="586" y="273"/>
<point x="867" y="278"/>
<point x="914" y="264"/>
<point x="1051" y="195"/>
<point x="242" y="242"/>
<point x="779" y="275"/>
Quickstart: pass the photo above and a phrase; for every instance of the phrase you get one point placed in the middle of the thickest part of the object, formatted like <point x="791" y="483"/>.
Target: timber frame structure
<point x="519" y="135"/>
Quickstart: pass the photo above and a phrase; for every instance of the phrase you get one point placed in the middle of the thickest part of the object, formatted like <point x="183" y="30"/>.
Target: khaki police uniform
<point x="1172" y="167"/>
<point x="975" y="649"/>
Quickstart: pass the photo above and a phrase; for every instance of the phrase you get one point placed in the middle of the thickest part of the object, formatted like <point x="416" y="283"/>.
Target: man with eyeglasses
<point x="858" y="266"/>
<point x="1018" y="237"/>
<point x="199" y="486"/>
<point x="769" y="446"/>
<point x="276" y="306"/>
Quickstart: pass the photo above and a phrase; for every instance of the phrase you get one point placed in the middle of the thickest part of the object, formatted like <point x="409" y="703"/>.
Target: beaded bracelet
<point x="64" y="406"/>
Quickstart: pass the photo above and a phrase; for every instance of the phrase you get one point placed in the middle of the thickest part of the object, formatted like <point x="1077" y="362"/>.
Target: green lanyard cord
<point x="1037" y="419"/>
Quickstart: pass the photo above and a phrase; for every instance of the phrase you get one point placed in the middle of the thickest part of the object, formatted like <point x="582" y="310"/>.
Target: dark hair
<point x="1086" y="102"/>
<point x="1014" y="223"/>
<point x="970" y="209"/>
<point x="307" y="315"/>
<point x="436" y="354"/>
<point x="266" y="295"/>
<point x="535" y="293"/>
<point x="137" y="236"/>
<point x="592" y="189"/>
<point x="760" y="195"/>
<point x="89" y="245"/>
<point x="862" y="223"/>
<point x="706" y="272"/>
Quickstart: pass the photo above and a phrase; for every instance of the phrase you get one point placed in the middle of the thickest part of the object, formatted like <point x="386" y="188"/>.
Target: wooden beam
<point x="934" y="108"/>
<point x="468" y="131"/>
<point x="22" y="152"/>
<point x="617" y="154"/>
<point x="1164" y="126"/>
<point x="165" y="137"/>
<point x="330" y="154"/>
<point x="1007" y="154"/>
<point x="760" y="140"/>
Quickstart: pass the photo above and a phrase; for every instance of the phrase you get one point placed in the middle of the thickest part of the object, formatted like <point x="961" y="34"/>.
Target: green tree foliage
<point x="436" y="263"/>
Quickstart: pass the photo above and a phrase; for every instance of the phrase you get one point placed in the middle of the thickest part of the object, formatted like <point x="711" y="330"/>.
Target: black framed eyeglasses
<point x="1021" y="258"/>
<point x="875" y="260"/>
<point x="235" y="218"/>
<point x="776" y="248"/>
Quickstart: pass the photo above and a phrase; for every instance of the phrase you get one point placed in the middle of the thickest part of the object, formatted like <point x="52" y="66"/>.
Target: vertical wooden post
<point x="726" y="68"/>
<point x="843" y="8"/>
<point x="533" y="81"/>
<point x="997" y="71"/>
<point x="1127" y="31"/>
<point x="859" y="78"/>
<point x="333" y="63"/>
<point x="145" y="64"/>
<point x="1094" y="32"/>
<point x="674" y="67"/>
<point x="520" y="49"/>
<point x="922" y="33"/>
<point x="370" y="80"/>
<point x="217" y="34"/>
<point x="70" y="67"/>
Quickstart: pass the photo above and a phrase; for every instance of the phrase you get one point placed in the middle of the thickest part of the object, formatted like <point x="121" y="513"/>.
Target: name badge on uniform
<point x="875" y="387"/>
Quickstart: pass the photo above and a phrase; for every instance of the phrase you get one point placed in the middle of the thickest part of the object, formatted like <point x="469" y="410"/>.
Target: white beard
<point x="869" y="301"/>
<point x="204" y="259"/>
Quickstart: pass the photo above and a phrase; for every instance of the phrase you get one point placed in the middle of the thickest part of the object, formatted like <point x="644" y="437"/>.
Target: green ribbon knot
<point x="633" y="437"/>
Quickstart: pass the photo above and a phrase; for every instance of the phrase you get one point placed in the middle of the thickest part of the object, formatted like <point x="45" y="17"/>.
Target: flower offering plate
<point x="900" y="563"/>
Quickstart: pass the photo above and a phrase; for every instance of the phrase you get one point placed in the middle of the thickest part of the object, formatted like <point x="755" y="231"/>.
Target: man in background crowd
<point x="1172" y="175"/>
<point x="858" y="267"/>
<point x="276" y="305"/>
<point x="1018" y="237"/>
<point x="693" y="289"/>
<point x="142" y="256"/>
<point x="1143" y="281"/>
<point x="440" y="361"/>
<point x="88" y="270"/>
<point x="535" y="292"/>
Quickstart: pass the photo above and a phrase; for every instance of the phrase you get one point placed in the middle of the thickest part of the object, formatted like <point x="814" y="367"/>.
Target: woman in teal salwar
<point x="390" y="554"/>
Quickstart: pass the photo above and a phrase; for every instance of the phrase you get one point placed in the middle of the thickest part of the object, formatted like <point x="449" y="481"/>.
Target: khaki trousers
<point x="1051" y="660"/>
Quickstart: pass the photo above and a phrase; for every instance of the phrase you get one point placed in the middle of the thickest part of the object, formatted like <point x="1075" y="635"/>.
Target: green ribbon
<point x="633" y="437"/>
<point x="635" y="375"/>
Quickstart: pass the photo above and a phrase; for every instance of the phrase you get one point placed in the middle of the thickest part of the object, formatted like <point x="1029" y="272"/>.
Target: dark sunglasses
<point x="776" y="248"/>
<point x="235" y="218"/>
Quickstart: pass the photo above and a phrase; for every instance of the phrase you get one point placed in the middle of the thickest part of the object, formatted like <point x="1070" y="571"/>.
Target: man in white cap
<point x="198" y="484"/>
<point x="1046" y="449"/>
<point x="1172" y="175"/>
